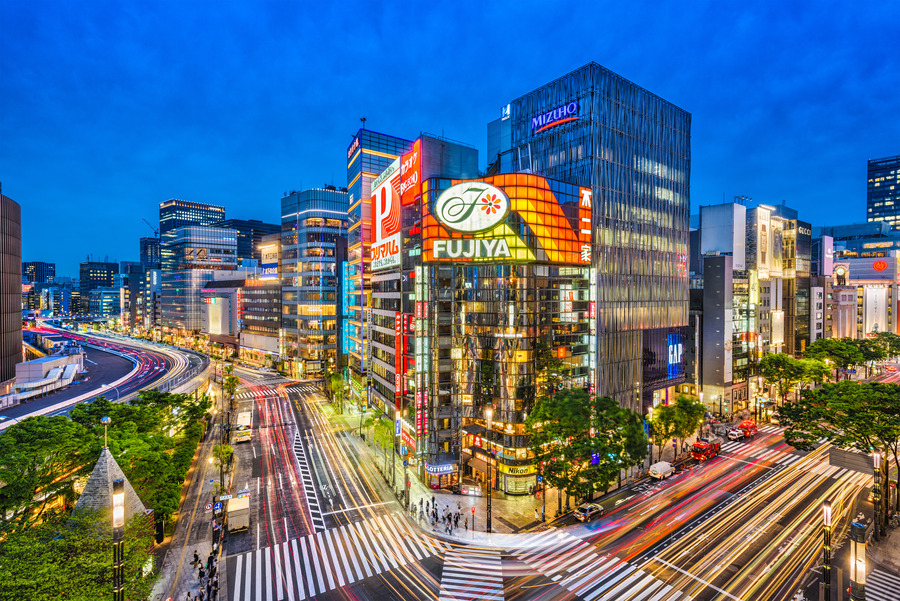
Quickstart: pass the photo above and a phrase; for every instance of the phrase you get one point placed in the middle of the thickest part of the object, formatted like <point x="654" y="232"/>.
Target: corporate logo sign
<point x="515" y="218"/>
<point x="385" y="250"/>
<point x="675" y="353"/>
<point x="553" y="118"/>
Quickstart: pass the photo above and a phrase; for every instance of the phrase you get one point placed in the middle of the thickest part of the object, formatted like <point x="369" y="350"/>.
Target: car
<point x="735" y="434"/>
<point x="661" y="470"/>
<point x="588" y="511"/>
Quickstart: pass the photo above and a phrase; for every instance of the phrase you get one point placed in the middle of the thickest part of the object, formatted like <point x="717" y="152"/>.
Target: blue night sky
<point x="108" y="108"/>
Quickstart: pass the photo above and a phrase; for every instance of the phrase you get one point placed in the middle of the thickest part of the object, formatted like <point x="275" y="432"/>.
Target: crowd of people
<point x="208" y="578"/>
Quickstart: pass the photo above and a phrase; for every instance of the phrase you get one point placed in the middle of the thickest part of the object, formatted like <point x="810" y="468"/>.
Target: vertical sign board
<point x="398" y="357"/>
<point x="386" y="221"/>
<point x="411" y="174"/>
<point x="875" y="310"/>
<point x="674" y="355"/>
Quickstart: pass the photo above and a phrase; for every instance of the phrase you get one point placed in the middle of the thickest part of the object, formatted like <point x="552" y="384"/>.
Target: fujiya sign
<point x="471" y="207"/>
<point x="558" y="116"/>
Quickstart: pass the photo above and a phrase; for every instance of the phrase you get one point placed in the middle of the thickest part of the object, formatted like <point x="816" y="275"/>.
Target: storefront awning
<point x="478" y="464"/>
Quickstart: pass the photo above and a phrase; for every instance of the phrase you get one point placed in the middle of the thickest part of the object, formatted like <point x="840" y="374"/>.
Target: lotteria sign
<point x="558" y="116"/>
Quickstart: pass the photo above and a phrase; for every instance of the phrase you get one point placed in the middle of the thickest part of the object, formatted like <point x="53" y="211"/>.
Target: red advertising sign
<point x="385" y="250"/>
<point x="411" y="174"/>
<point x="398" y="356"/>
<point x="408" y="440"/>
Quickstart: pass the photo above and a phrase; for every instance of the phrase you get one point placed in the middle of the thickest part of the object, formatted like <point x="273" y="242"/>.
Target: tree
<point x="663" y="426"/>
<point x="581" y="442"/>
<point x="69" y="557"/>
<point x="782" y="371"/>
<point x="889" y="343"/>
<point x="813" y="371"/>
<point x="336" y="383"/>
<point x="842" y="352"/>
<point x="689" y="414"/>
<point x="384" y="437"/>
<point x="40" y="457"/>
<point x="864" y="416"/>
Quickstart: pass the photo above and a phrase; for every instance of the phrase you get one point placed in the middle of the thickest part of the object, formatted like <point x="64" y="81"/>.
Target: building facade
<point x="883" y="191"/>
<point x="93" y="275"/>
<point x="190" y="258"/>
<point x="38" y="272"/>
<point x="250" y="233"/>
<point x="314" y="222"/>
<point x="175" y="213"/>
<point x="368" y="155"/>
<point x="10" y="290"/>
<point x="150" y="253"/>
<point x="593" y="128"/>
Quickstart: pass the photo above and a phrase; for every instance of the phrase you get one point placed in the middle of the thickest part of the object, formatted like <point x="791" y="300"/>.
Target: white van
<point x="661" y="470"/>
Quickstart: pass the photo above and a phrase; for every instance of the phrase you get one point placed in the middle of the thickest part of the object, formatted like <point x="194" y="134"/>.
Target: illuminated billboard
<point x="512" y="218"/>
<point x="875" y="310"/>
<point x="269" y="265"/>
<point x="411" y="174"/>
<point x="385" y="249"/>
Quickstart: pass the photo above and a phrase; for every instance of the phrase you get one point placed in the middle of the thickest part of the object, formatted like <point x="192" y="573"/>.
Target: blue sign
<point x="674" y="357"/>
<point x="558" y="116"/>
<point x="398" y="428"/>
<point x="217" y="507"/>
<point x="406" y="463"/>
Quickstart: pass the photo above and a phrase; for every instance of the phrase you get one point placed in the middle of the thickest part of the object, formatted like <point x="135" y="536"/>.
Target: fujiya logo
<point x="471" y="207"/>
<point x="558" y="116"/>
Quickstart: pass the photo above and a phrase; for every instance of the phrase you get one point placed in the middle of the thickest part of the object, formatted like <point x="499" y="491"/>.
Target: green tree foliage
<point x="843" y="353"/>
<point x="782" y="371"/>
<point x="384" y="436"/>
<point x="663" y="426"/>
<point x="70" y="557"/>
<point x="549" y="369"/>
<point x="689" y="415"/>
<point x="851" y="415"/>
<point x="336" y="384"/>
<point x="39" y="459"/>
<point x="813" y="372"/>
<point x="889" y="344"/>
<point x="581" y="442"/>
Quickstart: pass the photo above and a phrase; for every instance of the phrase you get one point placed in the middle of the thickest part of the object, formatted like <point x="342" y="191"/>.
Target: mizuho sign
<point x="471" y="207"/>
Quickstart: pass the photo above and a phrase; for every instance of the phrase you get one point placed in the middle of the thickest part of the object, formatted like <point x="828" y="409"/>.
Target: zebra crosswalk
<point x="318" y="563"/>
<point x="577" y="566"/>
<point x="471" y="574"/>
<point x="309" y="485"/>
<point x="746" y="452"/>
<point x="303" y="388"/>
<point x="882" y="586"/>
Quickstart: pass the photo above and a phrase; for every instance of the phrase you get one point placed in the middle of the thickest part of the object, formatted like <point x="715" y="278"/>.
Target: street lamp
<point x="826" y="568"/>
<point x="119" y="540"/>
<point x="857" y="562"/>
<point x="488" y="416"/>
<point x="876" y="494"/>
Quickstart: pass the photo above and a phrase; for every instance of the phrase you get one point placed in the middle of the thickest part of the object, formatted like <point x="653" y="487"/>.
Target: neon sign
<point x="471" y="207"/>
<point x="879" y="265"/>
<point x="557" y="116"/>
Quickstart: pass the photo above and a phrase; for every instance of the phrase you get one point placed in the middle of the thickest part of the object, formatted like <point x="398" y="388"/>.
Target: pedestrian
<point x="196" y="558"/>
<point x="535" y="514"/>
<point x="467" y="524"/>
<point x="189" y="596"/>
<point x="201" y="574"/>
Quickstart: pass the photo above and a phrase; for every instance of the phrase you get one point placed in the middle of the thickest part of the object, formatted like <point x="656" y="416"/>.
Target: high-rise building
<point x="10" y="290"/>
<point x="175" y="213"/>
<point x="314" y="223"/>
<point x="92" y="275"/>
<point x="368" y="155"/>
<point x="150" y="253"/>
<point x="250" y="233"/>
<point x="883" y="191"/>
<point x="190" y="258"/>
<point x="596" y="129"/>
<point x="38" y="272"/>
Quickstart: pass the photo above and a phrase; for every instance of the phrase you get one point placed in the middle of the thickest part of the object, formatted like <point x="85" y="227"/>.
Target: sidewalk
<point x="509" y="513"/>
<point x="886" y="552"/>
<point x="193" y="531"/>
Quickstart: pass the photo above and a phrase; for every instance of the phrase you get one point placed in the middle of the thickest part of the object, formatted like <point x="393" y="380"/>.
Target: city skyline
<point x="106" y="113"/>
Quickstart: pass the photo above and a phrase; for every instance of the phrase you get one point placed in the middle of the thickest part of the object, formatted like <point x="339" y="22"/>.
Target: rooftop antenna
<point x="363" y="119"/>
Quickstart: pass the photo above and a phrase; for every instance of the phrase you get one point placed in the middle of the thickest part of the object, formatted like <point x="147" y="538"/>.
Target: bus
<point x="243" y="430"/>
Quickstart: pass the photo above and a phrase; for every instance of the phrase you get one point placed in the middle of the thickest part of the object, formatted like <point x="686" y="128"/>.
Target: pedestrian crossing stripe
<point x="882" y="586"/>
<point x="577" y="566"/>
<point x="309" y="485"/>
<point x="780" y="458"/>
<point x="471" y="574"/>
<point x="321" y="562"/>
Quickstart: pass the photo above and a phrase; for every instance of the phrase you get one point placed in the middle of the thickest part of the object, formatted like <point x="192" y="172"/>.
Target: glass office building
<point x="190" y="258"/>
<point x="175" y="213"/>
<point x="594" y="128"/>
<point x="368" y="155"/>
<point x="883" y="191"/>
<point x="313" y="226"/>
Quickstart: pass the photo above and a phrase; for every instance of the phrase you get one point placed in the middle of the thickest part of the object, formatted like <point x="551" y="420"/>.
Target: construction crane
<point x="150" y="225"/>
